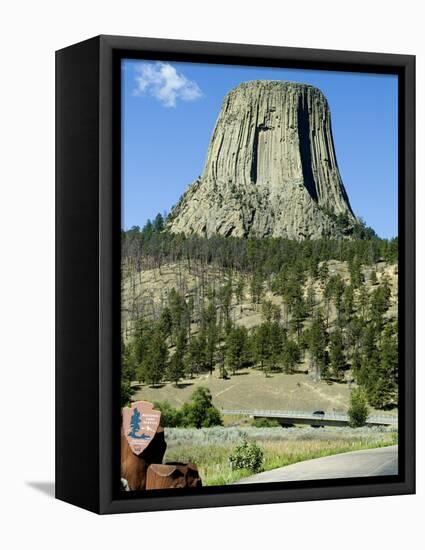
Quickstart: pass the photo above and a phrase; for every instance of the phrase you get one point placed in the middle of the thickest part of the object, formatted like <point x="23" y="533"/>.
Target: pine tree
<point x="271" y="312"/>
<point x="154" y="363"/>
<point x="317" y="343"/>
<point x="176" y="365"/>
<point x="311" y="300"/>
<point x="290" y="355"/>
<point x="323" y="273"/>
<point x="210" y="333"/>
<point x="239" y="291"/>
<point x="384" y="390"/>
<point x="363" y="300"/>
<point x="236" y="346"/>
<point x="353" y="334"/>
<point x="347" y="306"/>
<point x="140" y="344"/>
<point x="338" y="287"/>
<point x="179" y="313"/>
<point x="225" y="300"/>
<point x="158" y="223"/>
<point x="379" y="304"/>
<point x="356" y="275"/>
<point x="257" y="287"/>
<point x="166" y="322"/>
<point x="337" y="359"/>
<point x="313" y="268"/>
<point x="196" y="356"/>
<point x="276" y="336"/>
<point x="261" y="343"/>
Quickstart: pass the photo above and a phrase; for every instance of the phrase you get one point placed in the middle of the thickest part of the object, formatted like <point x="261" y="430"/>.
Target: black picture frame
<point x="88" y="273"/>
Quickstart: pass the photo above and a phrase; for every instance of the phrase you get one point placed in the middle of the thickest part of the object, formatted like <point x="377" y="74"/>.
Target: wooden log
<point x="134" y="467"/>
<point x="173" y="475"/>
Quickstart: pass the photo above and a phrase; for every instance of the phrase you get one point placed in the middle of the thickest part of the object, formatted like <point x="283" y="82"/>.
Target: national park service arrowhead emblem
<point x="140" y="422"/>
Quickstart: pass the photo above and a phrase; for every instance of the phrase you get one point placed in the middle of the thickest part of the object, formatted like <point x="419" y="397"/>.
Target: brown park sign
<point x="140" y="422"/>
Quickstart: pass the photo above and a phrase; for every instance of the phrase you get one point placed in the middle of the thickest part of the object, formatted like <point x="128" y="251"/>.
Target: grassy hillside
<point x="261" y="322"/>
<point x="145" y="293"/>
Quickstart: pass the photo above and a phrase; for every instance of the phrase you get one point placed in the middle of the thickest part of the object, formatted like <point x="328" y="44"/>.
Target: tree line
<point x="153" y="246"/>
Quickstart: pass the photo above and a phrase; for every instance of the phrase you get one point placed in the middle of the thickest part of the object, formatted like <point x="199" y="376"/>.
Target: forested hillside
<point x="193" y="305"/>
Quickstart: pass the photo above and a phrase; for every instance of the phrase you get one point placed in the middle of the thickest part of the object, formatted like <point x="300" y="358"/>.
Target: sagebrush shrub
<point x="247" y="455"/>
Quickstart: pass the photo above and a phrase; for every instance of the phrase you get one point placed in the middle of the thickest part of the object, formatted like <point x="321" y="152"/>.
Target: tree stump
<point x="134" y="467"/>
<point x="172" y="475"/>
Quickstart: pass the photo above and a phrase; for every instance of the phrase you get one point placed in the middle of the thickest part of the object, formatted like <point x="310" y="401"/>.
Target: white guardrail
<point x="306" y="415"/>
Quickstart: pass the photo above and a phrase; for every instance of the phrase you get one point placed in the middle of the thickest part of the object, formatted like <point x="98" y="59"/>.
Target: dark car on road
<point x="319" y="414"/>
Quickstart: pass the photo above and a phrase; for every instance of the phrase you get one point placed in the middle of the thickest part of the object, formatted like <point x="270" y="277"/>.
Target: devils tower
<point x="271" y="169"/>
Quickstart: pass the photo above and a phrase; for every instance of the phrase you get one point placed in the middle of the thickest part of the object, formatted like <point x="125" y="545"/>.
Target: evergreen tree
<point x="311" y="300"/>
<point x="290" y="355"/>
<point x="363" y="301"/>
<point x="383" y="390"/>
<point x="379" y="303"/>
<point x="327" y="296"/>
<point x="353" y="333"/>
<point x="140" y="344"/>
<point x="356" y="275"/>
<point x="294" y="299"/>
<point x="347" y="306"/>
<point x="176" y="366"/>
<point x="155" y="359"/>
<point x="158" y="223"/>
<point x="166" y="322"/>
<point x="337" y="359"/>
<point x="126" y="392"/>
<point x="317" y="342"/>
<point x="276" y="336"/>
<point x="337" y="290"/>
<point x="128" y="363"/>
<point x="358" y="411"/>
<point x="271" y="312"/>
<point x="210" y="333"/>
<point x="179" y="314"/>
<point x="257" y="287"/>
<point x="261" y="344"/>
<point x="313" y="268"/>
<point x="147" y="229"/>
<point x="239" y="291"/>
<point x="196" y="357"/>
<point x="323" y="273"/>
<point x="225" y="300"/>
<point x="236" y="346"/>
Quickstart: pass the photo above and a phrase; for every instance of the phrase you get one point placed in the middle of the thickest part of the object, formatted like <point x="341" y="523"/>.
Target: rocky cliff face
<point x="271" y="169"/>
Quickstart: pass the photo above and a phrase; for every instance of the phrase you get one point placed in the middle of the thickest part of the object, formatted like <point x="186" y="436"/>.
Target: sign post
<point x="142" y="451"/>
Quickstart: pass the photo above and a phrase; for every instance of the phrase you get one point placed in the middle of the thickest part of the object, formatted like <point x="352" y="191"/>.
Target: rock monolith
<point x="271" y="169"/>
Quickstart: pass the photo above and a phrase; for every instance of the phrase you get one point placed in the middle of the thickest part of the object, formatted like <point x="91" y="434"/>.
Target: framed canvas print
<point x="235" y="274"/>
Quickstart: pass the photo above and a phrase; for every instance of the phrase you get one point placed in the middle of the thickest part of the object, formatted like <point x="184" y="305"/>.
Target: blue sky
<point x="169" y="112"/>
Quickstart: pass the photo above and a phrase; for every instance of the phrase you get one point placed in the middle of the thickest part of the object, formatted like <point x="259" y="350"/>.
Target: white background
<point x="30" y="33"/>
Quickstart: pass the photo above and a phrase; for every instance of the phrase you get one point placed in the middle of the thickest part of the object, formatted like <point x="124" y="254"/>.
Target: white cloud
<point x="162" y="81"/>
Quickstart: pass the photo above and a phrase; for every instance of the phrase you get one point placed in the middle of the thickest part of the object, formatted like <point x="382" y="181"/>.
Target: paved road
<point x="370" y="462"/>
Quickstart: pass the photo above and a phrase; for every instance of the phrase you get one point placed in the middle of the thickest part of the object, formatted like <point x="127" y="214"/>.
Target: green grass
<point x="212" y="456"/>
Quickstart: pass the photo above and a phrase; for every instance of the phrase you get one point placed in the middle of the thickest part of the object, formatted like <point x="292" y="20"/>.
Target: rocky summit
<point x="271" y="169"/>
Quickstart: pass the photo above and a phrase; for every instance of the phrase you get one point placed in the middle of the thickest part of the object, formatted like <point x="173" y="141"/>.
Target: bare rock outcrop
<point x="271" y="169"/>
